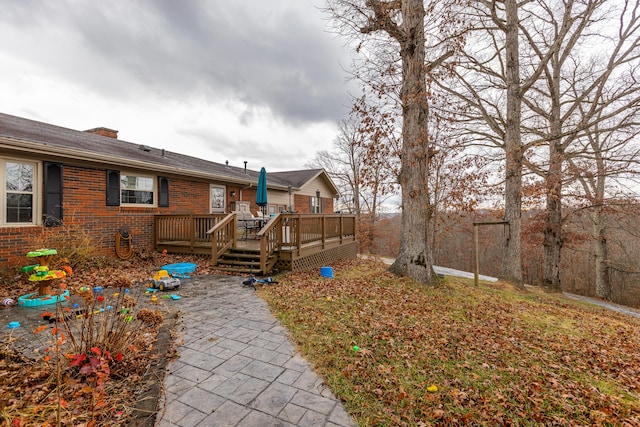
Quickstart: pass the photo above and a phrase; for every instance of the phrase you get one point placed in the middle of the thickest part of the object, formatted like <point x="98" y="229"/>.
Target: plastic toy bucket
<point x="326" y="272"/>
<point x="182" y="269"/>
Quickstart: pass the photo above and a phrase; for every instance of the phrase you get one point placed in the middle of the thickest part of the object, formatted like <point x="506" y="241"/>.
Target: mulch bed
<point x="40" y="386"/>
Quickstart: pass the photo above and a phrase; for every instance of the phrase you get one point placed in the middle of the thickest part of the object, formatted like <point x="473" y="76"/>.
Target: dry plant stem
<point x="69" y="330"/>
<point x="38" y="393"/>
<point x="59" y="315"/>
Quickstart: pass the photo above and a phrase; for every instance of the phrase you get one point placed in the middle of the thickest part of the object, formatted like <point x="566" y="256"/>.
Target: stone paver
<point x="236" y="366"/>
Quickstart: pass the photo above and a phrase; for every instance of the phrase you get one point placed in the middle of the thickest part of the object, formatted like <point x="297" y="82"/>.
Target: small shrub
<point x="71" y="240"/>
<point x="92" y="344"/>
<point x="150" y="317"/>
<point x="9" y="275"/>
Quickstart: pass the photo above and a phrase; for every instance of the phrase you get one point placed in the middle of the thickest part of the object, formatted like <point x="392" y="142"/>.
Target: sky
<point x="240" y="80"/>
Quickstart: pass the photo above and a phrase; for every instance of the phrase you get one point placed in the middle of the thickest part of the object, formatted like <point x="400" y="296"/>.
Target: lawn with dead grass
<point x="402" y="354"/>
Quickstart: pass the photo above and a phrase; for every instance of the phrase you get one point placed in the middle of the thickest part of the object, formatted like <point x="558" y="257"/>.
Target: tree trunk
<point x="512" y="263"/>
<point x="414" y="259"/>
<point x="553" y="220"/>
<point x="600" y="255"/>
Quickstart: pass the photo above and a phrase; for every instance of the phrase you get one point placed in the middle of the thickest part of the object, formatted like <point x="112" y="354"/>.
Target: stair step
<point x="237" y="262"/>
<point x="244" y="261"/>
<point x="239" y="257"/>
<point x="244" y="251"/>
<point x="253" y="271"/>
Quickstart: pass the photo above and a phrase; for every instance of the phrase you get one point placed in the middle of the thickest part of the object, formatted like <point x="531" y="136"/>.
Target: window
<point x="316" y="204"/>
<point x="217" y="199"/>
<point x="19" y="188"/>
<point x="240" y="206"/>
<point x="137" y="190"/>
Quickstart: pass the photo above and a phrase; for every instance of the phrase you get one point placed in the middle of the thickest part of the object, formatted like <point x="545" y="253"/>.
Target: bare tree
<point x="514" y="77"/>
<point x="381" y="144"/>
<point x="344" y="163"/>
<point x="560" y="31"/>
<point x="491" y="83"/>
<point x="605" y="165"/>
<point x="402" y="26"/>
<point x="365" y="177"/>
<point x="579" y="96"/>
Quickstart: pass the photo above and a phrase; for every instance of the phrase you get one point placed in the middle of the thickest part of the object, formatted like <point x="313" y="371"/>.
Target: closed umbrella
<point x="261" y="193"/>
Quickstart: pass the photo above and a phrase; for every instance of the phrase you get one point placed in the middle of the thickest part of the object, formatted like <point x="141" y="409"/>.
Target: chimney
<point x="245" y="167"/>
<point x="104" y="132"/>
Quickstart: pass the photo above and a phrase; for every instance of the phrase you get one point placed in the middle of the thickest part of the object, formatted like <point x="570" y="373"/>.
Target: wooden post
<point x="476" y="250"/>
<point x="214" y="249"/>
<point x="192" y="232"/>
<point x="476" y="270"/>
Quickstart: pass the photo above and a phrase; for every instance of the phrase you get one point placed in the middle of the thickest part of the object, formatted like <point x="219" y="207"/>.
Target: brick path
<point x="237" y="367"/>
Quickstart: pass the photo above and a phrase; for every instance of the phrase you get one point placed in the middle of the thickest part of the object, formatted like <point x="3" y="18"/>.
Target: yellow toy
<point x="162" y="281"/>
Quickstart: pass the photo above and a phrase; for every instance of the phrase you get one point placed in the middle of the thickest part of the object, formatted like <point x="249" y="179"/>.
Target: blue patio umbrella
<point x="261" y="193"/>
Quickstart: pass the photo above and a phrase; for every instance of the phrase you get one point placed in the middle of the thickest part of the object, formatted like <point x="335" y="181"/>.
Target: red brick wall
<point x="16" y="242"/>
<point x="85" y="206"/>
<point x="302" y="204"/>
<point x="249" y="195"/>
<point x="327" y="205"/>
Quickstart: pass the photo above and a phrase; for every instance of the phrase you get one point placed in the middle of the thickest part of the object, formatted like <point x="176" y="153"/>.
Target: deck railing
<point x="187" y="231"/>
<point x="304" y="230"/>
<point x="270" y="240"/>
<point x="298" y="234"/>
<point x="223" y="236"/>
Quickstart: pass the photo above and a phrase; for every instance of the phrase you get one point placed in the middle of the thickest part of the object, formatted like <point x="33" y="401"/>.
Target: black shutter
<point x="163" y="191"/>
<point x="52" y="194"/>
<point x="113" y="188"/>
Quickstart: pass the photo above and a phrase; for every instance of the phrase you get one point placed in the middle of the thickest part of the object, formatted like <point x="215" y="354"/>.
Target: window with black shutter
<point x="53" y="212"/>
<point x="113" y="188"/>
<point x="163" y="191"/>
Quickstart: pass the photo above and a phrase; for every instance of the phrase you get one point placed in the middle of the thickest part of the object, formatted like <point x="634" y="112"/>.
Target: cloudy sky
<point x="262" y="81"/>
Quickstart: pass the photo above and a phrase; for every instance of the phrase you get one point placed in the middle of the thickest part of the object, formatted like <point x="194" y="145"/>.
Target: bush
<point x="71" y="240"/>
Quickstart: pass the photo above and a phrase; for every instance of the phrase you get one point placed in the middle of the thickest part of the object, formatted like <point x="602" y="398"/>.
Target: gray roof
<point x="297" y="178"/>
<point x="20" y="134"/>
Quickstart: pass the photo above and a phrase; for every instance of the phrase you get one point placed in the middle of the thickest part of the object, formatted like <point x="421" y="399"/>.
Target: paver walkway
<point x="236" y="366"/>
<point x="606" y="304"/>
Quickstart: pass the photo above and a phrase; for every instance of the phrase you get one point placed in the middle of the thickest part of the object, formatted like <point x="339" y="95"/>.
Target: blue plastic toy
<point x="181" y="269"/>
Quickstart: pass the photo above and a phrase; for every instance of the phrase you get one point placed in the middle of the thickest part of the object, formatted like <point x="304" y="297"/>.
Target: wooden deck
<point x="286" y="242"/>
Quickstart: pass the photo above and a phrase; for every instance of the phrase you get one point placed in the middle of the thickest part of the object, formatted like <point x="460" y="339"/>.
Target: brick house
<point x="52" y="175"/>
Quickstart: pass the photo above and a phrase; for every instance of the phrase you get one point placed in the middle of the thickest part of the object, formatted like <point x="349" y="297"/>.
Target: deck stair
<point x="240" y="260"/>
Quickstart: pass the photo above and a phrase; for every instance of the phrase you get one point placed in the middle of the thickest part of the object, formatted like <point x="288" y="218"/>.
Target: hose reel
<point x="124" y="243"/>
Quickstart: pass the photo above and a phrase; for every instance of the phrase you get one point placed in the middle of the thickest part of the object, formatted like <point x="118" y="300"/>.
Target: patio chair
<point x="248" y="222"/>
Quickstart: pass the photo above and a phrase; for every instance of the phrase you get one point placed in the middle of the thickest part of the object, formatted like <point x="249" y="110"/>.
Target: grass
<point x="497" y="356"/>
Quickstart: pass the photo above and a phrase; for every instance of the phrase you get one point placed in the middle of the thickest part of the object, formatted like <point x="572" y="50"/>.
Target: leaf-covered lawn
<point x="496" y="356"/>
